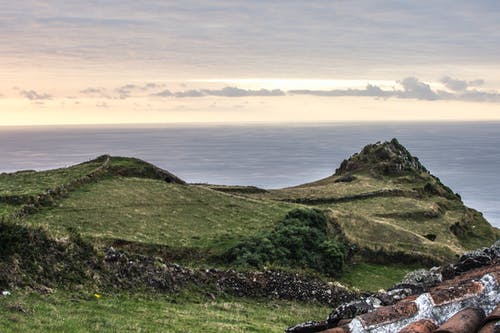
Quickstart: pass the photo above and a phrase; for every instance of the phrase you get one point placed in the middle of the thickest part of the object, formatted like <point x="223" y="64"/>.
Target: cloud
<point x="460" y="85"/>
<point x="474" y="95"/>
<point x="125" y="91"/>
<point x="360" y="35"/>
<point x="370" y="90"/>
<point x="454" y="84"/>
<point x="189" y="93"/>
<point x="95" y="92"/>
<point x="152" y="85"/>
<point x="224" y="92"/>
<point x="32" y="95"/>
<point x="409" y="88"/>
<point x="164" y="93"/>
<point x="92" y="91"/>
<point x="476" y="83"/>
<point x="414" y="88"/>
<point x="238" y="92"/>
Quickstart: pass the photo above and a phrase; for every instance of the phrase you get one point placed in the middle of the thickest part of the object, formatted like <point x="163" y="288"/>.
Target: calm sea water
<point x="465" y="156"/>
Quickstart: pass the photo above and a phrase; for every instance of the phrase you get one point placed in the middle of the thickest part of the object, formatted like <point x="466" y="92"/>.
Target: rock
<point x="475" y="259"/>
<point x="112" y="254"/>
<point x="351" y="310"/>
<point x="308" y="327"/>
<point x="495" y="249"/>
<point x="282" y="285"/>
<point x="424" y="278"/>
<point x="399" y="292"/>
<point x="414" y="283"/>
<point x="346" y="179"/>
<point x="135" y="271"/>
<point x="44" y="290"/>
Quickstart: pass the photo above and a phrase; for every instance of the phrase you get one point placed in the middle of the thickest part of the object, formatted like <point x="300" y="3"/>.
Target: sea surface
<point x="465" y="156"/>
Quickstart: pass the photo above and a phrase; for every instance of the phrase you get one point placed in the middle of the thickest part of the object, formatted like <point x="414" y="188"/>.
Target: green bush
<point x="299" y="240"/>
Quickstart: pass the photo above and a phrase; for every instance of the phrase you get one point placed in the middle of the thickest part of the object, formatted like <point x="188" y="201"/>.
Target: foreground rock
<point x="434" y="295"/>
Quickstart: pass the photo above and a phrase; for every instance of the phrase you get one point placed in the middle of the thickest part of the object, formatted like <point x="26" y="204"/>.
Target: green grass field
<point x="373" y="277"/>
<point x="35" y="182"/>
<point x="6" y="208"/>
<point x="72" y="312"/>
<point x="155" y="212"/>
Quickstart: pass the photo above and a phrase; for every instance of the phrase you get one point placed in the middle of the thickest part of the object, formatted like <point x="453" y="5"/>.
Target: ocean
<point x="465" y="156"/>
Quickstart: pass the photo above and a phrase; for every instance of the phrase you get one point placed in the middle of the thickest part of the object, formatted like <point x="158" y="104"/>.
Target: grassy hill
<point x="381" y="206"/>
<point x="155" y="212"/>
<point x="382" y="200"/>
<point x="389" y="206"/>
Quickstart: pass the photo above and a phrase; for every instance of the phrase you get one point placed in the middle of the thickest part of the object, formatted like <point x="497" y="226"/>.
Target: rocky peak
<point x="390" y="158"/>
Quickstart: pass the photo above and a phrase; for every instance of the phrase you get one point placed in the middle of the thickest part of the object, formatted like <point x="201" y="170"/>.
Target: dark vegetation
<point x="300" y="240"/>
<point x="30" y="257"/>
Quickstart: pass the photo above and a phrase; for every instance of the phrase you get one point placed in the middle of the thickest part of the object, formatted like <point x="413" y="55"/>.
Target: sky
<point x="129" y="61"/>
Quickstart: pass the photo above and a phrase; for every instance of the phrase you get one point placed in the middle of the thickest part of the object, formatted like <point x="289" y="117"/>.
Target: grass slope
<point x="373" y="277"/>
<point x="70" y="312"/>
<point x="35" y="182"/>
<point x="155" y="212"/>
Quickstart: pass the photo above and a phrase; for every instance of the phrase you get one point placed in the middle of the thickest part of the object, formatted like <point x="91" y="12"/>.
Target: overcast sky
<point x="195" y="61"/>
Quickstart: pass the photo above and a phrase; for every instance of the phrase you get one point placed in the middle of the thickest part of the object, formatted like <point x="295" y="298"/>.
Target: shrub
<point x="299" y="240"/>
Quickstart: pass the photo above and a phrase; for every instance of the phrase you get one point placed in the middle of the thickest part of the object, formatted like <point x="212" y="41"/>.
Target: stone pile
<point x="132" y="272"/>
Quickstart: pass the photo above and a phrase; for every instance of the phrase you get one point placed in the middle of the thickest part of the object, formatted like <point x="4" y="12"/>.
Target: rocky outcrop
<point x="389" y="158"/>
